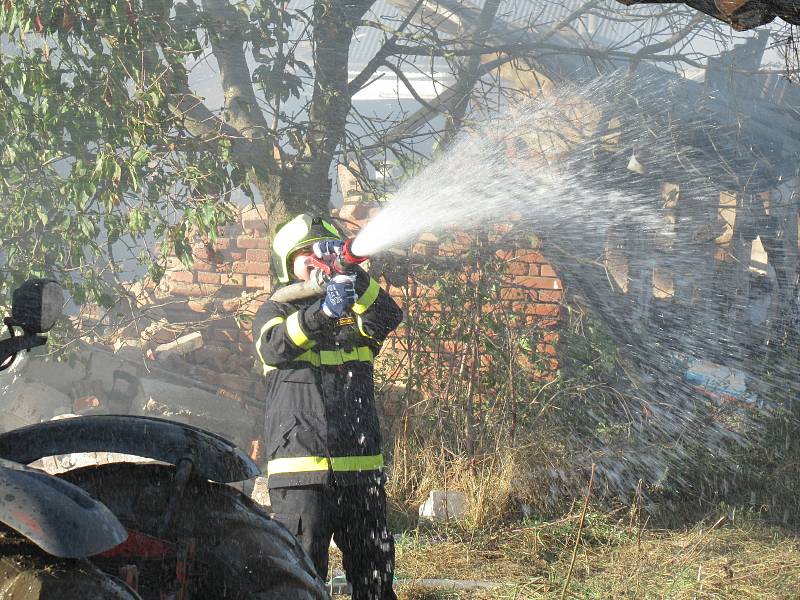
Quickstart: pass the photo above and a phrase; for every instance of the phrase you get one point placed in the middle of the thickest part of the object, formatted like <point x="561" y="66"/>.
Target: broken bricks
<point x="183" y="345"/>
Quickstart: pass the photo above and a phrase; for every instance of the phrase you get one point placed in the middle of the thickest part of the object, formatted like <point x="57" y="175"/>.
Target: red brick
<point x="528" y="256"/>
<point x="198" y="306"/>
<point x="545" y="349"/>
<point x="261" y="282"/>
<point x="206" y="277"/>
<point x="551" y="295"/>
<point x="203" y="265"/>
<point x="180" y="276"/>
<point x="229" y="304"/>
<point x="209" y="289"/>
<point x="227" y="335"/>
<point x="550" y="337"/>
<point x="431" y="306"/>
<point x="512" y="294"/>
<point x="517" y="268"/>
<point x="257" y="255"/>
<point x="248" y="242"/>
<point x="186" y="289"/>
<point x="539" y="283"/>
<point x="230" y="256"/>
<point x="547" y="271"/>
<point x="545" y="310"/>
<point x="533" y="269"/>
<point x="424" y="249"/>
<point x="520" y="307"/>
<point x="225" y="243"/>
<point x="254" y="224"/>
<point x="251" y="268"/>
<point x="226" y="279"/>
<point x="506" y="255"/>
<point x="200" y="252"/>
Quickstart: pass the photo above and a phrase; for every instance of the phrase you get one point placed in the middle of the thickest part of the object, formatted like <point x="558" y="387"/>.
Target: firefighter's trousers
<point x="355" y="516"/>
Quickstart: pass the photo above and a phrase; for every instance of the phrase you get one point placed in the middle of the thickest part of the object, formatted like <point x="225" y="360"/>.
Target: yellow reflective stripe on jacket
<point x="339" y="357"/>
<point x="267" y="326"/>
<point x="361" y="330"/>
<point x="330" y="357"/>
<point x="307" y="464"/>
<point x="336" y="357"/>
<point x="295" y="332"/>
<point x="368" y="298"/>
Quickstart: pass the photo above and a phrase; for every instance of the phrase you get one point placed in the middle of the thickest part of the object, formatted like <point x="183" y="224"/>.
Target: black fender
<point x="212" y="456"/>
<point x="59" y="517"/>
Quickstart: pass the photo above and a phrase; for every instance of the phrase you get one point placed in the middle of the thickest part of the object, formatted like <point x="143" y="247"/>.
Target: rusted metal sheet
<point x="741" y="14"/>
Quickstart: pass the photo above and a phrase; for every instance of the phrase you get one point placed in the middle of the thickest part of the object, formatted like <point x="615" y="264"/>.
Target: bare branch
<point x="386" y="50"/>
<point x="401" y="76"/>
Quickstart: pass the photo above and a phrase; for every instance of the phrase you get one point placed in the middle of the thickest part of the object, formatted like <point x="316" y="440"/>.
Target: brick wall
<point x="230" y="279"/>
<point x="530" y="294"/>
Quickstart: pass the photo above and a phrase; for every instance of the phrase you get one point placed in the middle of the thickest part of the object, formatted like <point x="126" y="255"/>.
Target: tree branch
<point x="422" y="116"/>
<point x="200" y="121"/>
<point x="241" y="103"/>
<point x="376" y="61"/>
<point x="402" y="77"/>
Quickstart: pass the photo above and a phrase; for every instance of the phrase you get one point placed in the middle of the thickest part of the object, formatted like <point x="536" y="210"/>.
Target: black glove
<point x="340" y="295"/>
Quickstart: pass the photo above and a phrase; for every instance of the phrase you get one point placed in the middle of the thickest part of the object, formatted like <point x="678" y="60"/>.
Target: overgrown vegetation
<point x="620" y="555"/>
<point x="474" y="398"/>
<point x="475" y="401"/>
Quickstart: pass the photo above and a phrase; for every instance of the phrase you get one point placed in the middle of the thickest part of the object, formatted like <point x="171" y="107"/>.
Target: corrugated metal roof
<point x="514" y="13"/>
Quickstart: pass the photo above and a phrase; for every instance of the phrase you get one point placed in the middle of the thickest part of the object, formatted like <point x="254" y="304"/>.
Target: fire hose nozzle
<point x="347" y="260"/>
<point x="344" y="264"/>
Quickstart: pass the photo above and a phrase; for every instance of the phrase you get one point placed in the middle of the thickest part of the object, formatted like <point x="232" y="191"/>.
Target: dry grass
<point x="495" y="484"/>
<point x="615" y="560"/>
<point x="715" y="562"/>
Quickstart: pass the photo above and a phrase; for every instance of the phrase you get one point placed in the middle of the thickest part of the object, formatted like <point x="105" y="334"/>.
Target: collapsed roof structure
<point x="740" y="14"/>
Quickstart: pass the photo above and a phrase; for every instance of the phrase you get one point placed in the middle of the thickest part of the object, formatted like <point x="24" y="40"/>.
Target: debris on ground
<point x="444" y="505"/>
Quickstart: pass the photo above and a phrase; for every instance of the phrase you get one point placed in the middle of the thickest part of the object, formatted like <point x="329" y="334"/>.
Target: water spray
<point x="550" y="166"/>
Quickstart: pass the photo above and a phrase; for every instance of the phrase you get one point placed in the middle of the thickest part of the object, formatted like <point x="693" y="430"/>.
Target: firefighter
<point x="322" y="442"/>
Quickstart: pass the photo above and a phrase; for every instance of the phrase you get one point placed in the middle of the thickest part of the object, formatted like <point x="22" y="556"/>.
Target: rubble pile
<point x="181" y="349"/>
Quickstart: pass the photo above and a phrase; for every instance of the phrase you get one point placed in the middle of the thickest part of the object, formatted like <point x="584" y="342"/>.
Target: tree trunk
<point x="308" y="184"/>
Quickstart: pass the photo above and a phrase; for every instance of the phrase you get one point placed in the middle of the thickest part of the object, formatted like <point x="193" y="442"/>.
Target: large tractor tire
<point x="240" y="553"/>
<point x="28" y="573"/>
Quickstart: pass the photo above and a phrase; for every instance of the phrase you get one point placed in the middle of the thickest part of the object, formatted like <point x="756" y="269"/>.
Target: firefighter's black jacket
<point x="321" y="420"/>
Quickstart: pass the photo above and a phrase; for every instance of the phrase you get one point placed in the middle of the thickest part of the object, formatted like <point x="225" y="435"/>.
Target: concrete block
<point x="25" y="402"/>
<point x="442" y="504"/>
<point x="183" y="345"/>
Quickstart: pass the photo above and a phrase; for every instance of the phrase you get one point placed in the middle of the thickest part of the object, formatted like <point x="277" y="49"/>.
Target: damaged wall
<point x="183" y="349"/>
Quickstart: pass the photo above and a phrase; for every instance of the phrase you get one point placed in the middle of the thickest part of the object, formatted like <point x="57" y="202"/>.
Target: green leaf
<point x="156" y="272"/>
<point x="137" y="221"/>
<point x="140" y="156"/>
